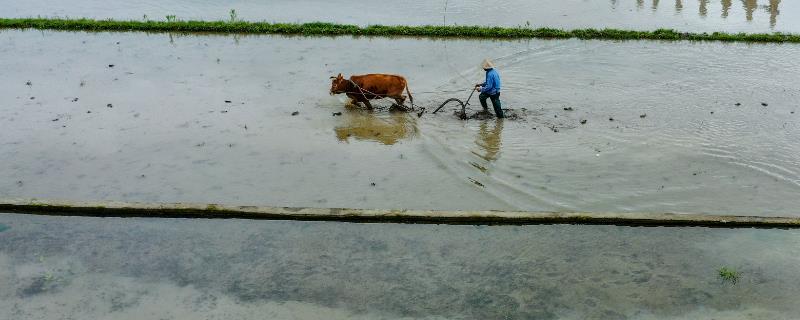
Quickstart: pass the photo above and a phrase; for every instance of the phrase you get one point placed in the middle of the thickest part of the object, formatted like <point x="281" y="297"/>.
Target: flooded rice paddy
<point x="684" y="15"/>
<point x="103" y="268"/>
<point x="604" y="126"/>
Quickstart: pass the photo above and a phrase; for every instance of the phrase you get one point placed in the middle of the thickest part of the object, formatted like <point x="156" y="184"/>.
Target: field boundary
<point x="216" y="211"/>
<point x="332" y="29"/>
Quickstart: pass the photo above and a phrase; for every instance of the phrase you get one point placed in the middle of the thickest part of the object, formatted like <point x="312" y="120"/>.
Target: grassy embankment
<point x="321" y="28"/>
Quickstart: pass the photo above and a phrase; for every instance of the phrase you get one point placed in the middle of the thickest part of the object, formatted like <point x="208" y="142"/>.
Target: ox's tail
<point x="410" y="98"/>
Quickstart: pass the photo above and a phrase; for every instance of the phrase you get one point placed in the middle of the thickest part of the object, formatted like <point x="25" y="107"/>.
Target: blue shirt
<point x="492" y="84"/>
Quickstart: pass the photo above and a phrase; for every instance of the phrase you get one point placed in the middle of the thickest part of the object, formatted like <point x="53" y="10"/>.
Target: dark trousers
<point x="498" y="110"/>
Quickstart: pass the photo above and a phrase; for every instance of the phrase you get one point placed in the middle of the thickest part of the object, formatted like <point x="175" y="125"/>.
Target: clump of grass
<point x="729" y="275"/>
<point x="172" y="24"/>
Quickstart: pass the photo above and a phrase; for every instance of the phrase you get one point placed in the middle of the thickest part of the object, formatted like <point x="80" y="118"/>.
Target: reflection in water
<point x="703" y="7"/>
<point x="749" y="6"/>
<point x="726" y="7"/>
<point x="773" y="12"/>
<point x="489" y="140"/>
<point x="386" y="129"/>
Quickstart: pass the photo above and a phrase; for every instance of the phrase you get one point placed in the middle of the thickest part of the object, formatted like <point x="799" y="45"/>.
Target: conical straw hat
<point x="487" y="64"/>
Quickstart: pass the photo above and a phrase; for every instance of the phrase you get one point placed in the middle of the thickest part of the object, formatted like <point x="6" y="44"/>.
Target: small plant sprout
<point x="233" y="15"/>
<point x="171" y="18"/>
<point x="729" y="274"/>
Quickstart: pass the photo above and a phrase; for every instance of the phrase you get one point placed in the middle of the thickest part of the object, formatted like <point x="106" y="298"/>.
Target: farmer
<point x="490" y="88"/>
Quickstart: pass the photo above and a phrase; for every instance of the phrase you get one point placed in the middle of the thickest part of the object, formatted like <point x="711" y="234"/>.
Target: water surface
<point x="687" y="15"/>
<point x="689" y="131"/>
<point x="101" y="268"/>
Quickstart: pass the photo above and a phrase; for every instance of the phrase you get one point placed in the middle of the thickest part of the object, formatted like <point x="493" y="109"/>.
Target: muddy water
<point x="157" y="125"/>
<point x="101" y="268"/>
<point x="689" y="15"/>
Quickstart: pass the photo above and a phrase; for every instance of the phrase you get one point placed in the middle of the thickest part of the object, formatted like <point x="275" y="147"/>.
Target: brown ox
<point x="372" y="86"/>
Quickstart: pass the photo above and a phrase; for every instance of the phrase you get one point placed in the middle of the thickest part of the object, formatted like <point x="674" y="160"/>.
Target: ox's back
<point x="382" y="84"/>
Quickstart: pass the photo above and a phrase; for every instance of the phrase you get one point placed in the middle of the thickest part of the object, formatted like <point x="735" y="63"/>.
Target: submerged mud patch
<point x="510" y="114"/>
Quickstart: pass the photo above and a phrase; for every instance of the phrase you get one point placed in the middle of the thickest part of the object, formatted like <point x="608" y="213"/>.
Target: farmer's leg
<point x="482" y="97"/>
<point x="498" y="110"/>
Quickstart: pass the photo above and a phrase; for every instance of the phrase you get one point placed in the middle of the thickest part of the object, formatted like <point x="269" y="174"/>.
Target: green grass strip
<point x="332" y="29"/>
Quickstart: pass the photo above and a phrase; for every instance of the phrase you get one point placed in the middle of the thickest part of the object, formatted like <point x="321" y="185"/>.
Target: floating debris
<point x="610" y="119"/>
<point x="764" y="104"/>
<point x="33" y="98"/>
<point x="74" y="99"/>
<point x="737" y="104"/>
<point x="372" y="184"/>
<point x="295" y="113"/>
<point x="476" y="182"/>
<point x="227" y="101"/>
<point x="568" y="109"/>
<point x="582" y="121"/>
<point x="88" y="111"/>
<point x="28" y="83"/>
<point x="109" y="106"/>
<point x="337" y="114"/>
<point x="712" y="112"/>
<point x="110" y="65"/>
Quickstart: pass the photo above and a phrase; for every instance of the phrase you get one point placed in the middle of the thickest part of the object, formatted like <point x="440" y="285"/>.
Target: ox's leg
<point x="354" y="103"/>
<point x="401" y="103"/>
<point x="353" y="100"/>
<point x="366" y="103"/>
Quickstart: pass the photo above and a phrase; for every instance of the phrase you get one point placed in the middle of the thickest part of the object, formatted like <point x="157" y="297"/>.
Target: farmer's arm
<point x="489" y="85"/>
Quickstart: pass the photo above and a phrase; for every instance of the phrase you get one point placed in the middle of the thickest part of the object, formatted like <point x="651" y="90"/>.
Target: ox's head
<point x="338" y="84"/>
